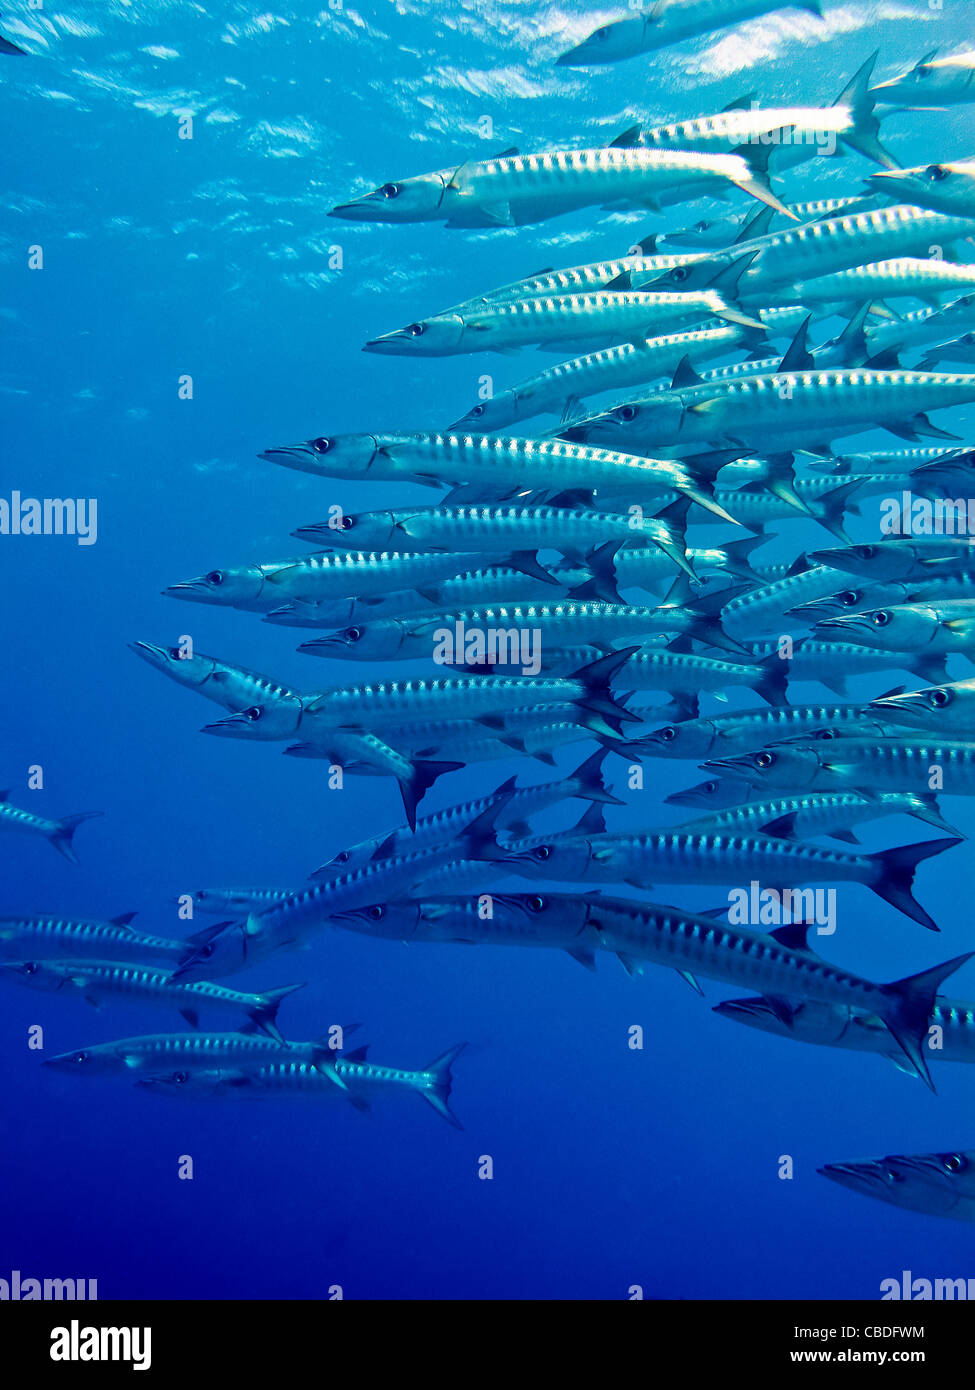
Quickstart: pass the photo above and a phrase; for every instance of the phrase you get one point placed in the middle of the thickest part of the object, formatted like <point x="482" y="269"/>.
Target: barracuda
<point x="560" y="389"/>
<point x="941" y="81"/>
<point x="688" y="943"/>
<point x="98" y="981"/>
<point x="58" y="833"/>
<point x="161" y="1052"/>
<point x="923" y="559"/>
<point x="286" y="924"/>
<point x="841" y="1025"/>
<point x="516" y="805"/>
<point x="233" y="687"/>
<point x="832" y="663"/>
<point x="946" y="188"/>
<point x="554" y="625"/>
<point x="828" y="245"/>
<point x="670" y="21"/>
<point x="575" y="279"/>
<point x="747" y="729"/>
<point x="936" y="1184"/>
<point x="905" y="277"/>
<point x="809" y="814"/>
<point x="637" y="857"/>
<point x="50" y="938"/>
<point x="221" y="901"/>
<point x="939" y="709"/>
<point x="461" y="740"/>
<point x="720" y="232"/>
<point x="854" y="600"/>
<point x="807" y="130"/>
<point x="606" y="316"/>
<point x="761" y="609"/>
<point x="488" y="463"/>
<point x="938" y="627"/>
<point x="806" y="409"/>
<point x="573" y="528"/>
<point x="897" y="463"/>
<point x="888" y="764"/>
<point x="358" y="1078"/>
<point x="682" y="674"/>
<point x="514" y="189"/>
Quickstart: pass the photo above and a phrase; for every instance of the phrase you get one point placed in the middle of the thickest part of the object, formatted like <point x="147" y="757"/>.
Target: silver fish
<point x="58" y="833"/>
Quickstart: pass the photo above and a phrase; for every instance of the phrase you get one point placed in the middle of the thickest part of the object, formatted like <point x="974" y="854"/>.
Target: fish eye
<point x="352" y="634"/>
<point x="176" y="654"/>
<point x="893" y="1176"/>
<point x="342" y="857"/>
<point x="710" y="786"/>
<point x="376" y="913"/>
<point x="679" y="273"/>
<point x="81" y="1056"/>
<point x="416" y="330"/>
<point x="207" y="950"/>
<point x="390" y="190"/>
<point x="477" y="410"/>
<point x="214" y="577"/>
<point x="30" y="967"/>
<point x="254" y="713"/>
<point x="542" y="852"/>
<point x="953" y="1163"/>
<point x="848" y="598"/>
<point x="535" y="904"/>
<point x="668" y="734"/>
<point x="866" y="552"/>
<point x="347" y="523"/>
<point x="827" y="733"/>
<point x="180" y="1077"/>
<point x="939" y="699"/>
<point x="321" y="445"/>
<point x="602" y="33"/>
<point x="936" y="172"/>
<point x="881" y="618"/>
<point x="626" y="412"/>
<point x="764" y="759"/>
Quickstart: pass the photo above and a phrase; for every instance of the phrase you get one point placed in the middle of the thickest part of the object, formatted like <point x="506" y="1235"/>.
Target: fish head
<point x="227" y="587"/>
<point x="185" y="667"/>
<point x="347" y="860"/>
<point x="947" y="1177"/>
<point x="693" y="738"/>
<point x="808" y="1021"/>
<point x="940" y="187"/>
<point x="709" y="231"/>
<point x="276" y="719"/>
<point x="433" y="337"/>
<point x="869" y="560"/>
<point x="223" y="953"/>
<point x="36" y="974"/>
<point x="396" y="920"/>
<point x="378" y="641"/>
<point x="716" y="794"/>
<point x="360" y="530"/>
<point x="553" y="857"/>
<point x="851" y="600"/>
<point x="785" y="765"/>
<point x="925" y="709"/>
<point x="191" y="1085"/>
<point x="534" y="913"/>
<point x="99" y="1060"/>
<point x="907" y="627"/>
<point x="416" y="199"/>
<point x="328" y="456"/>
<point x="901" y="1179"/>
<point x="608" y="44"/>
<point x="493" y="414"/>
<point x="697" y="275"/>
<point x="627" y="427"/>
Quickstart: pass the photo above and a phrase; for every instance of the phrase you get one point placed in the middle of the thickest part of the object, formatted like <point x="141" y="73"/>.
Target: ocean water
<point x="213" y="258"/>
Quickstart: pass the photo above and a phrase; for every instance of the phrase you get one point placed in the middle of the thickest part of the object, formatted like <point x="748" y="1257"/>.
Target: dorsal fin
<point x="648" y="244"/>
<point x="685" y="375"/>
<point x="627" y="139"/>
<point x="123" y="919"/>
<point x="756" y="226"/>
<point x="358" y="1054"/>
<point x="798" y="358"/>
<point x="741" y="103"/>
<point x="623" y="281"/>
<point x="592" y="821"/>
<point x="793" y="936"/>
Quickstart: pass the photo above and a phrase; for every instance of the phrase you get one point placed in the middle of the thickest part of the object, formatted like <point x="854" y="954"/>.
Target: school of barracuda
<point x="569" y="579"/>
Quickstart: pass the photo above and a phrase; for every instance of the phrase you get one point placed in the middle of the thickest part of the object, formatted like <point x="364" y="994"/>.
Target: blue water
<point x="210" y="257"/>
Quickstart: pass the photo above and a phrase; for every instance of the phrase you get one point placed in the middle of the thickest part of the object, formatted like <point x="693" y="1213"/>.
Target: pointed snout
<point x="234" y="725"/>
<point x="156" y="656"/>
<point x="855" y="1176"/>
<point x="395" y="343"/>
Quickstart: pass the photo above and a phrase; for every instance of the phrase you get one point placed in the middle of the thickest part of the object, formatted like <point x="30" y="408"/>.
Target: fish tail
<point x="928" y="810"/>
<point x="864" y="137"/>
<point x="589" y="775"/>
<point x="438" y="1095"/>
<point x="264" y="1016"/>
<point x="773" y="686"/>
<point x="421" y="778"/>
<point x="911" y="1002"/>
<point x="596" y="678"/>
<point x="894" y="876"/>
<point x="63" y="836"/>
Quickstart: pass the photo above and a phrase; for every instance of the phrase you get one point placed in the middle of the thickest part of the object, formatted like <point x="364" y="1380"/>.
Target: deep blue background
<point x="210" y="257"/>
